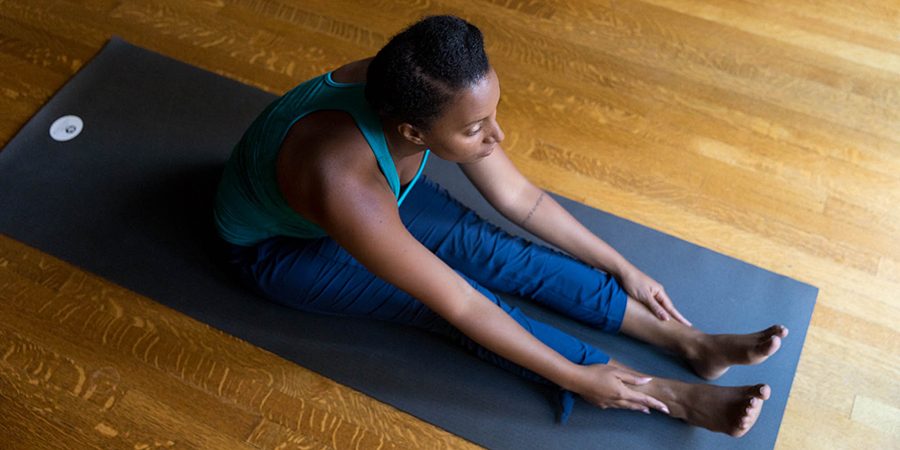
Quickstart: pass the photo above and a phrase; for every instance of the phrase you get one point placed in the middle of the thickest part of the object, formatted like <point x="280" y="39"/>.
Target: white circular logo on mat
<point x="66" y="128"/>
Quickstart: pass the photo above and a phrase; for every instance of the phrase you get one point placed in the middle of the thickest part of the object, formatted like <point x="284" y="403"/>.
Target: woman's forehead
<point x="475" y="102"/>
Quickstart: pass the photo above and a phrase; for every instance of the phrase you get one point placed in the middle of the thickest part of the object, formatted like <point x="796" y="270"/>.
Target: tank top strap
<point x="369" y="124"/>
<point x="415" y="178"/>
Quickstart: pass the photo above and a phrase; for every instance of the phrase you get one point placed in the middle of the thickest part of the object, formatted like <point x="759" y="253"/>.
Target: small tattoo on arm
<point x="531" y="213"/>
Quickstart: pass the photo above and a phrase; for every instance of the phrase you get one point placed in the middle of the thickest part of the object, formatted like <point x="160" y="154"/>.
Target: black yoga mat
<point x="130" y="199"/>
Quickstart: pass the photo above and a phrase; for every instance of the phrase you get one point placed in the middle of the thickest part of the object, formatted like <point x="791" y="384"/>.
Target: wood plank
<point x="193" y="370"/>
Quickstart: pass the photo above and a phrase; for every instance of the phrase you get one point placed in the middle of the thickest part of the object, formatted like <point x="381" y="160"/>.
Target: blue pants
<point x="317" y="275"/>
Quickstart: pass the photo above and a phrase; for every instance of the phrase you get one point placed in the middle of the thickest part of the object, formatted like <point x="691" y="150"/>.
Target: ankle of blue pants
<point x="566" y="403"/>
<point x="565" y="398"/>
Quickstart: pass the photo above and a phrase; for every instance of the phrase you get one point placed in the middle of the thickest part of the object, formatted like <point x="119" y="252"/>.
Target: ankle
<point x="672" y="393"/>
<point x="694" y="345"/>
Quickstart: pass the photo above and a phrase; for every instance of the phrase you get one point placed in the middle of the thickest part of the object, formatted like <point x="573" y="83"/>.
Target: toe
<point x="770" y="345"/>
<point x="761" y="391"/>
<point x="775" y="330"/>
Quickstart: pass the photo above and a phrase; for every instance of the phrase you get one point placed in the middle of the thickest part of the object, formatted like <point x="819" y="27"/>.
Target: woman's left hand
<point x="652" y="294"/>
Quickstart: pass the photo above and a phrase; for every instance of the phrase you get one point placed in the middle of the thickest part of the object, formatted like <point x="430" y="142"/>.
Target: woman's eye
<point x="473" y="132"/>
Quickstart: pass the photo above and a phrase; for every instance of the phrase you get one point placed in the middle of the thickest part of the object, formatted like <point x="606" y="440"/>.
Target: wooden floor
<point x="767" y="130"/>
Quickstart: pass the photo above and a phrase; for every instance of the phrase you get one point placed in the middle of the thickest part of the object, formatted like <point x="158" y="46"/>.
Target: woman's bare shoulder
<point x="324" y="148"/>
<point x="354" y="72"/>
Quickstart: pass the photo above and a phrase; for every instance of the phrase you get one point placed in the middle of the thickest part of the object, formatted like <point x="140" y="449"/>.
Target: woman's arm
<point x="522" y="202"/>
<point x="362" y="216"/>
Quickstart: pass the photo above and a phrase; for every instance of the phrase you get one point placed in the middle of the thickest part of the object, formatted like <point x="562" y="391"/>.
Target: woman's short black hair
<point x="420" y="69"/>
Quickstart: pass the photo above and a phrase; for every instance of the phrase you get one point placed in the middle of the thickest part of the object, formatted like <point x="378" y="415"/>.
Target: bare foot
<point x="716" y="353"/>
<point x="729" y="410"/>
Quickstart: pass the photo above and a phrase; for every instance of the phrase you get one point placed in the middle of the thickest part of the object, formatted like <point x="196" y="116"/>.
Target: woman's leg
<point x="321" y="277"/>
<point x="730" y="410"/>
<point x="506" y="263"/>
<point x="710" y="355"/>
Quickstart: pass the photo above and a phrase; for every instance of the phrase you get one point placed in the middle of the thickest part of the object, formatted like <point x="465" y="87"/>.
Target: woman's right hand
<point x="609" y="386"/>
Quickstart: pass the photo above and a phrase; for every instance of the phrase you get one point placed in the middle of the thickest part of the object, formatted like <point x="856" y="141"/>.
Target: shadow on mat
<point x="175" y="211"/>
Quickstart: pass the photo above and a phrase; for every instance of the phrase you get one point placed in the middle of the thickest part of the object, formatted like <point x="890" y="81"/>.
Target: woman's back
<point x="319" y="132"/>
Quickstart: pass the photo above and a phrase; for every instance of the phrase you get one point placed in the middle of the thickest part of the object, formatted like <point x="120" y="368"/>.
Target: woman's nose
<point x="497" y="136"/>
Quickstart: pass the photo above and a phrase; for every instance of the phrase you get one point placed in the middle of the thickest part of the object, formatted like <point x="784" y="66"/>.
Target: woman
<point x="322" y="208"/>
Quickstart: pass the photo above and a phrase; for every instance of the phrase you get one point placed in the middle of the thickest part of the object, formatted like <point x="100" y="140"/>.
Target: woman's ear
<point x="411" y="133"/>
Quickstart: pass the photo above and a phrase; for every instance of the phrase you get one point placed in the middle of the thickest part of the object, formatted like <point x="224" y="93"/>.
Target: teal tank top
<point x="249" y="207"/>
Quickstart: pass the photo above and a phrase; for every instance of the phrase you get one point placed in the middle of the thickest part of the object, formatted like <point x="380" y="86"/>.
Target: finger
<point x="632" y="378"/>
<point x="679" y="317"/>
<point x="670" y="307"/>
<point x="648" y="401"/>
<point x="656" y="309"/>
<point x="632" y="372"/>
<point x="628" y="404"/>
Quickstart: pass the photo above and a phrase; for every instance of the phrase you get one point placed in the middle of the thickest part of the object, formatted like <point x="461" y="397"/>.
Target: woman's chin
<point x="485" y="154"/>
<point x="470" y="158"/>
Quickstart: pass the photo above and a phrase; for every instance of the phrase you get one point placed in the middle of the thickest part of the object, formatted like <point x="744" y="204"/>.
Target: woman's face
<point x="468" y="131"/>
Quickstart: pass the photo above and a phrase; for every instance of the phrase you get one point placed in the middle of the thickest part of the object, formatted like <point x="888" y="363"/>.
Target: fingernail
<point x="646" y="411"/>
<point x="665" y="409"/>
